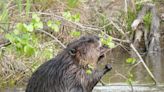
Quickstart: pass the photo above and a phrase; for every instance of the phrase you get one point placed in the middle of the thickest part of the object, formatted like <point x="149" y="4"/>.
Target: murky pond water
<point x="116" y="79"/>
<point x="142" y="81"/>
<point x="154" y="61"/>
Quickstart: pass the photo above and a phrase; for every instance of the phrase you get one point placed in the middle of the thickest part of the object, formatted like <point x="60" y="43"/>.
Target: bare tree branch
<point x="53" y="38"/>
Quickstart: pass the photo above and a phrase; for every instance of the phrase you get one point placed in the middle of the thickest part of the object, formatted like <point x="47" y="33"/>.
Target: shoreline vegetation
<point x="33" y="31"/>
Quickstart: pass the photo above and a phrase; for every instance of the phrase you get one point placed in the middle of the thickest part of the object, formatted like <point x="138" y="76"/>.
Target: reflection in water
<point x="140" y="74"/>
<point x="155" y="63"/>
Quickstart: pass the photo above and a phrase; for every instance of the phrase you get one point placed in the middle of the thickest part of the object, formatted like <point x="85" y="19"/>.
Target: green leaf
<point x="67" y="15"/>
<point x="28" y="28"/>
<point x="57" y="23"/>
<point x="76" y="17"/>
<point x="29" y="50"/>
<point x="75" y="33"/>
<point x="111" y="45"/>
<point x="88" y="71"/>
<point x="10" y="38"/>
<point x="55" y="27"/>
<point x="16" y="32"/>
<point x="129" y="81"/>
<point x="49" y="23"/>
<point x="38" y="25"/>
<point x="35" y="17"/>
<point x="18" y="45"/>
<point x="130" y="75"/>
<point x="48" y="53"/>
<point x="109" y="39"/>
<point x="108" y="42"/>
<point x="102" y="40"/>
<point x="20" y="27"/>
<point x="130" y="78"/>
<point x="130" y="60"/>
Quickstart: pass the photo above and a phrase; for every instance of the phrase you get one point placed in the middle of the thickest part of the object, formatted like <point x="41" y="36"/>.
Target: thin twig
<point x="53" y="38"/>
<point x="5" y="44"/>
<point x="74" y="23"/>
<point x="126" y="79"/>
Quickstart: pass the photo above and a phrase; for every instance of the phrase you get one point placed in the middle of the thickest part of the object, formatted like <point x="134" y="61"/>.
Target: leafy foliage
<point x="75" y="33"/>
<point x="130" y="60"/>
<point x="75" y="18"/>
<point x="108" y="42"/>
<point x="129" y="19"/>
<point x="23" y="37"/>
<point x="147" y="20"/>
<point x="54" y="25"/>
<point x="130" y="78"/>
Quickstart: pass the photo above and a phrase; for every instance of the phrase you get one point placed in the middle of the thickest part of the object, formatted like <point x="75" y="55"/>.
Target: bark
<point x="151" y="39"/>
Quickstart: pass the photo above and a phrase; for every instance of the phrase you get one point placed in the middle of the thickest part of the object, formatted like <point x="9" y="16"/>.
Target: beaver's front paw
<point x="108" y="67"/>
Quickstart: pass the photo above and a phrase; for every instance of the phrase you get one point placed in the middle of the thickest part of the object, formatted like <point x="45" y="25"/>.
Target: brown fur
<point x="67" y="71"/>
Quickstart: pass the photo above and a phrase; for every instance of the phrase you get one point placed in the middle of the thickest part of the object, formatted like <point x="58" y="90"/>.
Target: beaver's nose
<point x="104" y="47"/>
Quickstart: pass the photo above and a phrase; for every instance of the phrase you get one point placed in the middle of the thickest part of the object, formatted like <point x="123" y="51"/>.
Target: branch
<point x="71" y="22"/>
<point x="5" y="44"/>
<point x="53" y="38"/>
<point x="119" y="74"/>
<point x="134" y="49"/>
<point x="142" y="61"/>
<point x="82" y="26"/>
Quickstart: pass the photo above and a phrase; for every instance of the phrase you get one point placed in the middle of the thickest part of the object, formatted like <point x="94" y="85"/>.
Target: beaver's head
<point x="88" y="50"/>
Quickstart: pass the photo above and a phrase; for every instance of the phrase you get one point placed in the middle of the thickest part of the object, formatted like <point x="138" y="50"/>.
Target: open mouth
<point x="101" y="57"/>
<point x="104" y="50"/>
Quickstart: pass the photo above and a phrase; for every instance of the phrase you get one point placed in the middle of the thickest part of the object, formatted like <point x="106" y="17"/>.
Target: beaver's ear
<point x="72" y="52"/>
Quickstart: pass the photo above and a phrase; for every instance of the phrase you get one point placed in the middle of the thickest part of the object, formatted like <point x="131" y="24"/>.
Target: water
<point x="154" y="61"/>
<point x="142" y="82"/>
<point x="116" y="79"/>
